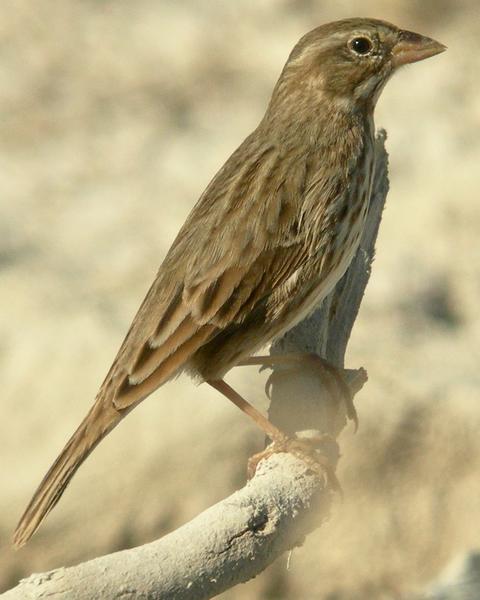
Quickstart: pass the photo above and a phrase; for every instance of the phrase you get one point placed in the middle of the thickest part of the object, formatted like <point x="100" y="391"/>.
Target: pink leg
<point x="268" y="428"/>
<point x="307" y="450"/>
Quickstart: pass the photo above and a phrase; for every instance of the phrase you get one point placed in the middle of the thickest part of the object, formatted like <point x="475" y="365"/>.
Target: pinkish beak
<point x="413" y="47"/>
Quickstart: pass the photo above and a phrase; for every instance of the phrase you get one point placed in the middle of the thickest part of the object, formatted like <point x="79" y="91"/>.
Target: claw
<point x="307" y="450"/>
<point x="268" y="387"/>
<point x="342" y="387"/>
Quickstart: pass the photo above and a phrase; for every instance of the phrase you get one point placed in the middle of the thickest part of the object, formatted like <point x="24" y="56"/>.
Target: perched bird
<point x="268" y="239"/>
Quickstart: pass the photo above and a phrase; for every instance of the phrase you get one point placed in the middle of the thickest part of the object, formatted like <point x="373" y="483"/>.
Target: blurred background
<point x="114" y="117"/>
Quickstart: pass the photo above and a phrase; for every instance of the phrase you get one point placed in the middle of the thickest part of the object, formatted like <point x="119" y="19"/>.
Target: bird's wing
<point x="238" y="245"/>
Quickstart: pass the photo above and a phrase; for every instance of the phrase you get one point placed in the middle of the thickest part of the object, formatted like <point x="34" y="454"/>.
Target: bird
<point x="268" y="239"/>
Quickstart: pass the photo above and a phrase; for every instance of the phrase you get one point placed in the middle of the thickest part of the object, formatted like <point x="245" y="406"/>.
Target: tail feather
<point x="118" y="395"/>
<point x="100" y="420"/>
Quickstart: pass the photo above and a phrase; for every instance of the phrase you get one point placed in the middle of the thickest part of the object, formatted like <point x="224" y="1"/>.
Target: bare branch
<point x="239" y="537"/>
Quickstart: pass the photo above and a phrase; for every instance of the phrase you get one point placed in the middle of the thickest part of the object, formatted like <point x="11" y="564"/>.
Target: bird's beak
<point x="413" y="47"/>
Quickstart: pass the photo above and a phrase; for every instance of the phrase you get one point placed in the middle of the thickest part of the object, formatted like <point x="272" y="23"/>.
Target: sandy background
<point x="114" y="116"/>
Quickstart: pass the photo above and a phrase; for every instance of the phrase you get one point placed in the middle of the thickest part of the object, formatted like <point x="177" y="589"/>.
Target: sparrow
<point x="268" y="239"/>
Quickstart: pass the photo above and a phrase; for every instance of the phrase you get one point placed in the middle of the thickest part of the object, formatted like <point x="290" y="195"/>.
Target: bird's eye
<point x="361" y="45"/>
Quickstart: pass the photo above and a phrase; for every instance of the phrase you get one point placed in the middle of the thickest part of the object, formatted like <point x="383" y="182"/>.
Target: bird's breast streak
<point x="346" y="242"/>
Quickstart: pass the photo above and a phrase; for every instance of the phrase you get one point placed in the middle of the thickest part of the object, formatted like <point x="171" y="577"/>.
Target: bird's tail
<point x="99" y="421"/>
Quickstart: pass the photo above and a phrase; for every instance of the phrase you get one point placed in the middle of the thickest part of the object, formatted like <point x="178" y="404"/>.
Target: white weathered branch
<point x="227" y="544"/>
<point x="239" y="537"/>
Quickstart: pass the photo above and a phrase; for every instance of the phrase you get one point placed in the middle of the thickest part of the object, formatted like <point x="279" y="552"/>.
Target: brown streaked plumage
<point x="269" y="238"/>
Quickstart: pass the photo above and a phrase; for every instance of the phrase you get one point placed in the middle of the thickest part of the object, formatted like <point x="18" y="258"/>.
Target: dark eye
<point x="361" y="45"/>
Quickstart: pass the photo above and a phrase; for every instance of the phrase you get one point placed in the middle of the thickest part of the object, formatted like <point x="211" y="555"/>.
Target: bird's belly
<point x="342" y="249"/>
<point x="308" y="304"/>
<point x="301" y="308"/>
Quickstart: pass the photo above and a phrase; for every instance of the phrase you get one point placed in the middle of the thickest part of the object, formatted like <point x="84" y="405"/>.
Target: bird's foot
<point x="329" y="372"/>
<point x="310" y="450"/>
<point x="332" y="377"/>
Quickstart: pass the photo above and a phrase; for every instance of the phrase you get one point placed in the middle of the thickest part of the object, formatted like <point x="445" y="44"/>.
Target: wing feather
<point x="217" y="270"/>
<point x="130" y="393"/>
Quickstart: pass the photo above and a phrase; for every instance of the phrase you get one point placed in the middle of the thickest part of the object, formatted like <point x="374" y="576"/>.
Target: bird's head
<point x="351" y="60"/>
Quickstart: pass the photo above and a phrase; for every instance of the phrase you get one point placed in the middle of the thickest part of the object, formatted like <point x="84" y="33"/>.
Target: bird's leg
<point x="327" y="373"/>
<point x="268" y="428"/>
<point x="306" y="449"/>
